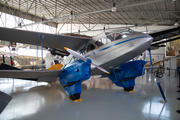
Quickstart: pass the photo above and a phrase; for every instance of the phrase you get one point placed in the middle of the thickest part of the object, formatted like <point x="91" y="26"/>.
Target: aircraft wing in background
<point x="167" y="33"/>
<point x="5" y="99"/>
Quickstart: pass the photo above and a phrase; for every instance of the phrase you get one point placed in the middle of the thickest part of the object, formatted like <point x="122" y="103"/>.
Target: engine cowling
<point x="125" y="76"/>
<point x="73" y="75"/>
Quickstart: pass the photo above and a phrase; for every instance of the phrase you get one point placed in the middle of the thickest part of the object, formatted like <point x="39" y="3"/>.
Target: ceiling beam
<point x="28" y="16"/>
<point x="93" y="12"/>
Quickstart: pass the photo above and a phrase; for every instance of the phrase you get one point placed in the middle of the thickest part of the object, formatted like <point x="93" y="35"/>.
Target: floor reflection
<point x="156" y="108"/>
<point x="28" y="97"/>
<point x="97" y="82"/>
<point x="101" y="100"/>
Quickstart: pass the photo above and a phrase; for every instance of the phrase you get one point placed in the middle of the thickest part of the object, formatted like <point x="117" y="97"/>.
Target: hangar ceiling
<point x="128" y="12"/>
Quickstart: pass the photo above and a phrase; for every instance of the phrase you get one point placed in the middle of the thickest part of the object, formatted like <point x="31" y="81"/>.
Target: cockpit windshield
<point x="112" y="35"/>
<point x="116" y="35"/>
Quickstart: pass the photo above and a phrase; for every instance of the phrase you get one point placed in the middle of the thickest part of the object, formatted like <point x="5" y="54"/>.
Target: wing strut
<point x="151" y="65"/>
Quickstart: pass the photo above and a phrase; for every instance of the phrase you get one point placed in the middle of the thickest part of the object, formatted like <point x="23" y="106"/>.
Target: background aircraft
<point x="108" y="54"/>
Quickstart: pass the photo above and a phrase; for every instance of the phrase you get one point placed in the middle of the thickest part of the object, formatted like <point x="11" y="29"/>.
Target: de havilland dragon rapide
<point x="110" y="54"/>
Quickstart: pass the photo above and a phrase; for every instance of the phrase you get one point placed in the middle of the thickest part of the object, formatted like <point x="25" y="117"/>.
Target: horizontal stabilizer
<point x="4" y="100"/>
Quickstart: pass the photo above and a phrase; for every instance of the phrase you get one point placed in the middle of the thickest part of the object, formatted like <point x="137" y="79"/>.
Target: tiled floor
<point x="102" y="100"/>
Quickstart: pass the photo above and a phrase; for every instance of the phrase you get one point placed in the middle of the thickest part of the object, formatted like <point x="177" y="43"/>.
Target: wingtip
<point x="65" y="48"/>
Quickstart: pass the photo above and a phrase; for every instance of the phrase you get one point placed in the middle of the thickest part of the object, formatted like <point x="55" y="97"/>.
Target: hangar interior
<point x="101" y="99"/>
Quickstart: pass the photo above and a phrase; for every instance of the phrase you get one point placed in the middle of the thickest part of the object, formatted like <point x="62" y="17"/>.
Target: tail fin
<point x="50" y="64"/>
<point x="49" y="61"/>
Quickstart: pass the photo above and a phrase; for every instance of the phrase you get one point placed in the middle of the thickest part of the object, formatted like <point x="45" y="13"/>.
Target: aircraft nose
<point x="150" y="38"/>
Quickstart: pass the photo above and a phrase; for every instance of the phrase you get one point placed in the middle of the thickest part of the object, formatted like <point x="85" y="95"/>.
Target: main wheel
<point x="156" y="73"/>
<point x="75" y="96"/>
<point x="129" y="88"/>
<point x="160" y="75"/>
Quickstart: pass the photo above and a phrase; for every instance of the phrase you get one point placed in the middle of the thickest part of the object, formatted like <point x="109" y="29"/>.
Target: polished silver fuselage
<point x="118" y="52"/>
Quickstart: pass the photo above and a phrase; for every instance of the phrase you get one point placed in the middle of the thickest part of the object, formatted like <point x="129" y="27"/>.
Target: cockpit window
<point x="90" y="47"/>
<point x="98" y="43"/>
<point x="113" y="36"/>
<point x="116" y="35"/>
<point x="104" y="40"/>
<point x="126" y="32"/>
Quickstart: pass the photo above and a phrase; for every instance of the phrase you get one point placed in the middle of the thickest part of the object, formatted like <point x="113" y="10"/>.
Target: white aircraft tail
<point x="49" y="61"/>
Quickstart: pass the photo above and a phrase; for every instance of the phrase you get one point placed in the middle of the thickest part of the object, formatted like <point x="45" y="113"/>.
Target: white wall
<point x="173" y="64"/>
<point x="160" y="51"/>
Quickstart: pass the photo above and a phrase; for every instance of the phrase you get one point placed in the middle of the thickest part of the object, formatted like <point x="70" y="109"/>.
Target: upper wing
<point x="34" y="38"/>
<point x="40" y="76"/>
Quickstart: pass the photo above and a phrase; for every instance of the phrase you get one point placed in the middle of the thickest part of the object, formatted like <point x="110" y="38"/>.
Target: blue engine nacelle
<point x="73" y="75"/>
<point x="125" y="76"/>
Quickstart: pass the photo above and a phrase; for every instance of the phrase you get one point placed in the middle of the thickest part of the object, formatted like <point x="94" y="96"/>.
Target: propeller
<point x="76" y="54"/>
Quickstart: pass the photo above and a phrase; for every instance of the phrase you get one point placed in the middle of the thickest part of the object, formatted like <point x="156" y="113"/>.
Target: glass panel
<point x="90" y="47"/>
<point x="98" y="43"/>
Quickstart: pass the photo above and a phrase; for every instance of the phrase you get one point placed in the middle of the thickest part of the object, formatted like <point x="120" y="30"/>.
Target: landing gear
<point x="158" y="74"/>
<point x="75" y="96"/>
<point x="129" y="88"/>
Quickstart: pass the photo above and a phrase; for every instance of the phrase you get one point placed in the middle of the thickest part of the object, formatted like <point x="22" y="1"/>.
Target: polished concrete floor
<point x="102" y="100"/>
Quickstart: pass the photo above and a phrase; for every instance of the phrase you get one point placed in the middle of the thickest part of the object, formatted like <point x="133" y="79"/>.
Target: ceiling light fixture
<point x="104" y="29"/>
<point x="114" y="7"/>
<point x="71" y="16"/>
<point x="176" y="22"/>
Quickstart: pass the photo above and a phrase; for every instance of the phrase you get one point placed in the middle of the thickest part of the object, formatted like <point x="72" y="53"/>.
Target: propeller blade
<point x="75" y="54"/>
<point x="100" y="68"/>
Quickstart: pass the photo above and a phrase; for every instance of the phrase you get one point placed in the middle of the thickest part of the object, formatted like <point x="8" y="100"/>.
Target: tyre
<point x="129" y="88"/>
<point x="156" y="74"/>
<point x="75" y="96"/>
<point x="160" y="75"/>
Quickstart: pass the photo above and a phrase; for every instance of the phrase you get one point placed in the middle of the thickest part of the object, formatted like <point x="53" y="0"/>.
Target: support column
<point x="42" y="52"/>
<point x="3" y="59"/>
<point x="37" y="55"/>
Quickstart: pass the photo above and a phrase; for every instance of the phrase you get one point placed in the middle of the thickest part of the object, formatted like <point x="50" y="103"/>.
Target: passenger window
<point x="110" y="36"/>
<point x="117" y="36"/>
<point x="90" y="47"/>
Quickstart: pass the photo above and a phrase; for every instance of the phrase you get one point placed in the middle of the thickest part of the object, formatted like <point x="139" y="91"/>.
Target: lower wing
<point x="40" y="76"/>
